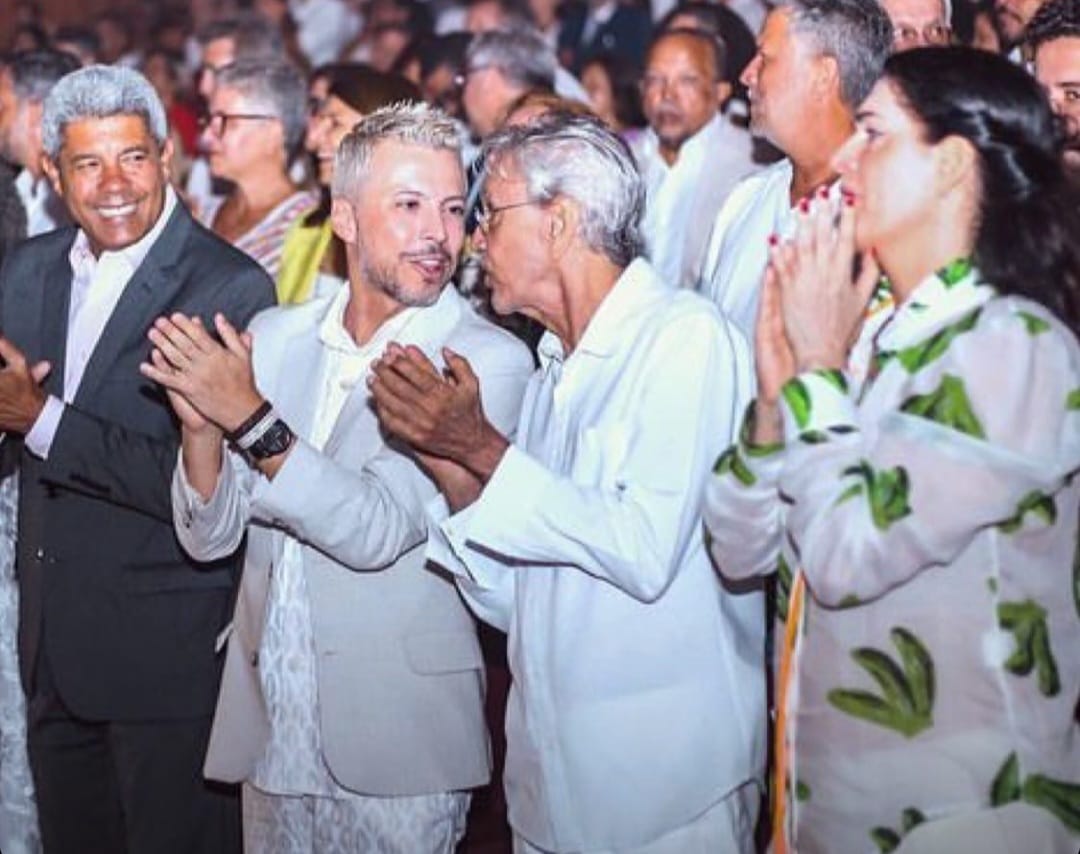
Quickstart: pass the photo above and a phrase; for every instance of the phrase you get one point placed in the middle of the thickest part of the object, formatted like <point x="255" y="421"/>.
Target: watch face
<point x="274" y="441"/>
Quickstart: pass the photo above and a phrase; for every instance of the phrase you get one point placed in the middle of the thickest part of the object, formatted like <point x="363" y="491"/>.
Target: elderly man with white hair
<point x="117" y="625"/>
<point x="636" y="718"/>
<point x="352" y="705"/>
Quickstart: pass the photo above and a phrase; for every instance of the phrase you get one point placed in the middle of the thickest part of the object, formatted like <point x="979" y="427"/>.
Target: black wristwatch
<point x="276" y="440"/>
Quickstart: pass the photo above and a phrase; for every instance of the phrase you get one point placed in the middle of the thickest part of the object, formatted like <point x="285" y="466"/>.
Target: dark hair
<point x="623" y="76"/>
<point x="448" y="49"/>
<point x="35" y="72"/>
<point x="1056" y="19"/>
<point x="1026" y="234"/>
<point x="713" y="44"/>
<point x="721" y="22"/>
<point x="84" y="39"/>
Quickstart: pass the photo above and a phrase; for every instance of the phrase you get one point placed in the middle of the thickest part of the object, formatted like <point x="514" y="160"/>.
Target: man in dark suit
<point x="592" y="28"/>
<point x="118" y="626"/>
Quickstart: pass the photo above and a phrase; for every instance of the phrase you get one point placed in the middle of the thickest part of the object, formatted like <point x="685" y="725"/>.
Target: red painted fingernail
<point x="849" y="200"/>
<point x="823" y="193"/>
<point x="773" y="240"/>
<point x="804" y="205"/>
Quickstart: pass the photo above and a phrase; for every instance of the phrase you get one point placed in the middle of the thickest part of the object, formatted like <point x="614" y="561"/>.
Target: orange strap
<point x="781" y="758"/>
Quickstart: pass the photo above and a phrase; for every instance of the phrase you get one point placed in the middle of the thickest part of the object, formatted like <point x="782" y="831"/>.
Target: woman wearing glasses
<point x="909" y="471"/>
<point x="255" y="126"/>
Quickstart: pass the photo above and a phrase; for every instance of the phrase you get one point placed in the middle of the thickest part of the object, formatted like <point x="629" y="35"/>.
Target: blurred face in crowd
<point x="891" y="172"/>
<point x="779" y="81"/>
<point x="217" y="54"/>
<point x="484" y="15"/>
<point x="1013" y="16"/>
<point x="485" y="96"/>
<point x="333" y="121"/>
<point x="20" y="126"/>
<point x="441" y="89"/>
<point x="405" y="223"/>
<point x="240" y="135"/>
<point x="680" y="90"/>
<point x="112" y="174"/>
<point x="1057" y="68"/>
<point x="597" y="84"/>
<point x="918" y="23"/>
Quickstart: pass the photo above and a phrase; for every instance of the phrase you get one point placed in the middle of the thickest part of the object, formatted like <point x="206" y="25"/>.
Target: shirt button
<point x="39" y="554"/>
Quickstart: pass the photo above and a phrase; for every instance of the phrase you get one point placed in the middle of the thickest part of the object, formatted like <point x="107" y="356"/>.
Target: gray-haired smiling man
<point x="117" y="626"/>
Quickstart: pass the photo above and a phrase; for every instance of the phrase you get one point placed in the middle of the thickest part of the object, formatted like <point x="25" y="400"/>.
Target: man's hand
<point x="21" y="395"/>
<point x="438" y="415"/>
<point x="206" y="379"/>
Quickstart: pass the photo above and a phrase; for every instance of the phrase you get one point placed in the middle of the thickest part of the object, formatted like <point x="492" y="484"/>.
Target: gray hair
<point x="99" y="92"/>
<point x="575" y="156"/>
<point x="856" y="33"/>
<point x="35" y="72"/>
<point x="408" y="122"/>
<point x="276" y="87"/>
<point x="520" y="53"/>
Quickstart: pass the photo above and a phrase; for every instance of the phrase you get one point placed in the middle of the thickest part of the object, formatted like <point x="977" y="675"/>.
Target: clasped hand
<point x="21" y="395"/>
<point x="210" y="383"/>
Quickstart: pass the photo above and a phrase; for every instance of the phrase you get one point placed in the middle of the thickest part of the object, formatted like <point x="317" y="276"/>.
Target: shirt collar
<point x="695" y="149"/>
<point x="132" y="256"/>
<point x="942" y="298"/>
<point x="423" y="326"/>
<point x="606" y="329"/>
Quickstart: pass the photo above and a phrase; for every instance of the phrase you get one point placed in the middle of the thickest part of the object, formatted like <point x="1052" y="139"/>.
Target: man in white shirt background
<point x="24" y="83"/>
<point x="636" y="718"/>
<point x="352" y="701"/>
<point x="816" y="61"/>
<point x="691" y="155"/>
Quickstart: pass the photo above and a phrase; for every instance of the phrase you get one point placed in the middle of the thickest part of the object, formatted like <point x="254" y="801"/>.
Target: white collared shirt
<point x="738" y="248"/>
<point x="638" y="683"/>
<point x="96" y="286"/>
<point x="682" y="200"/>
<point x="45" y="210"/>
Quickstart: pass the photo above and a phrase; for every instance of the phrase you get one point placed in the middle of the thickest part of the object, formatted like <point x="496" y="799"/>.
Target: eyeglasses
<point x="217" y="123"/>
<point x="934" y="35"/>
<point x="485" y="216"/>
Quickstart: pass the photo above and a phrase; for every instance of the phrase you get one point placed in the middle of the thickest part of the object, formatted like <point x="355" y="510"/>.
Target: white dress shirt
<point x="738" y="248"/>
<point x="96" y="286"/>
<point x="682" y="200"/>
<point x="637" y="699"/>
<point x="45" y="210"/>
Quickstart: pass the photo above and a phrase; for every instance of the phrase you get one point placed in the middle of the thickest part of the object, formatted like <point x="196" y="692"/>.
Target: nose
<point x="748" y="78"/>
<point x="432" y="225"/>
<point x="845" y="161"/>
<point x="112" y="177"/>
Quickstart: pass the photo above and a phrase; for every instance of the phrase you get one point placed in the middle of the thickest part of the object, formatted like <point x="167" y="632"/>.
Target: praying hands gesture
<point x="440" y="417"/>
<point x="21" y="395"/>
<point x="812" y="306"/>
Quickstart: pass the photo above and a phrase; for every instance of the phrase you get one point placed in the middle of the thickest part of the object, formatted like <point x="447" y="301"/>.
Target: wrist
<point x="485" y="457"/>
<point x="821" y="361"/>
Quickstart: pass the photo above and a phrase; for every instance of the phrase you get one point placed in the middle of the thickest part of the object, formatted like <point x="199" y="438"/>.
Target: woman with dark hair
<point x="908" y="470"/>
<point x="313" y="261"/>
<point x="612" y="85"/>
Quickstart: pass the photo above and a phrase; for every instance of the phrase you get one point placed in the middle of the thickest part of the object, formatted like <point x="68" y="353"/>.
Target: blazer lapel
<point x="150" y="292"/>
<point x="55" y="302"/>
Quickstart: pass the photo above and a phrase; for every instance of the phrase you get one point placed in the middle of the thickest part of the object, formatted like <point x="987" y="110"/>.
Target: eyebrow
<point x="865" y="114"/>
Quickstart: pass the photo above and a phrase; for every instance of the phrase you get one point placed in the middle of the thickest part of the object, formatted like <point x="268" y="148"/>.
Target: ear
<point x="956" y="162"/>
<point x="166" y="158"/>
<point x="723" y="92"/>
<point x="825" y="78"/>
<point x="343" y="220"/>
<point x="52" y="172"/>
<point x="562" y="226"/>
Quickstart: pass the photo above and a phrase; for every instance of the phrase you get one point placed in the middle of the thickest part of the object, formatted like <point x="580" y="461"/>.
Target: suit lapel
<point x="150" y="292"/>
<point x="55" y="302"/>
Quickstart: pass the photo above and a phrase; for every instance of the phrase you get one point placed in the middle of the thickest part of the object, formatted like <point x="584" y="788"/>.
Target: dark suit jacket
<point x="127" y="620"/>
<point x="625" y="34"/>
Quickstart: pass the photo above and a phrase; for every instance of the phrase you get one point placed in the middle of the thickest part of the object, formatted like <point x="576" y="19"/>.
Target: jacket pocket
<point x="169" y="577"/>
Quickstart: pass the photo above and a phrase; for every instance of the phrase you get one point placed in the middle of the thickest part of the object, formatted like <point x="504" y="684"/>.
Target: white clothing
<point x="637" y="699"/>
<point x="45" y="211"/>
<point x="96" y="286"/>
<point x="682" y="200"/>
<point x="568" y="86"/>
<point x="323" y="27"/>
<point x="738" y="248"/>
<point x="423" y="824"/>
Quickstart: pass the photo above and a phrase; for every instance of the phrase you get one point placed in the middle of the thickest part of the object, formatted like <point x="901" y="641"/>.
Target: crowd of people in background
<point x="722" y="356"/>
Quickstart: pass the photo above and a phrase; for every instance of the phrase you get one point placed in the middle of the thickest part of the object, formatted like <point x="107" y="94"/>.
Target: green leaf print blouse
<point x="933" y="514"/>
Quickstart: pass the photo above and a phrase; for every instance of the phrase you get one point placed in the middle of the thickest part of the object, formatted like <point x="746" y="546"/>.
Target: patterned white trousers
<point x="353" y="824"/>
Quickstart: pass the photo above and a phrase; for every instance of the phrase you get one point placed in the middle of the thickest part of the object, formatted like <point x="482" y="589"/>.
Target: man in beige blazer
<point x="351" y="702"/>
